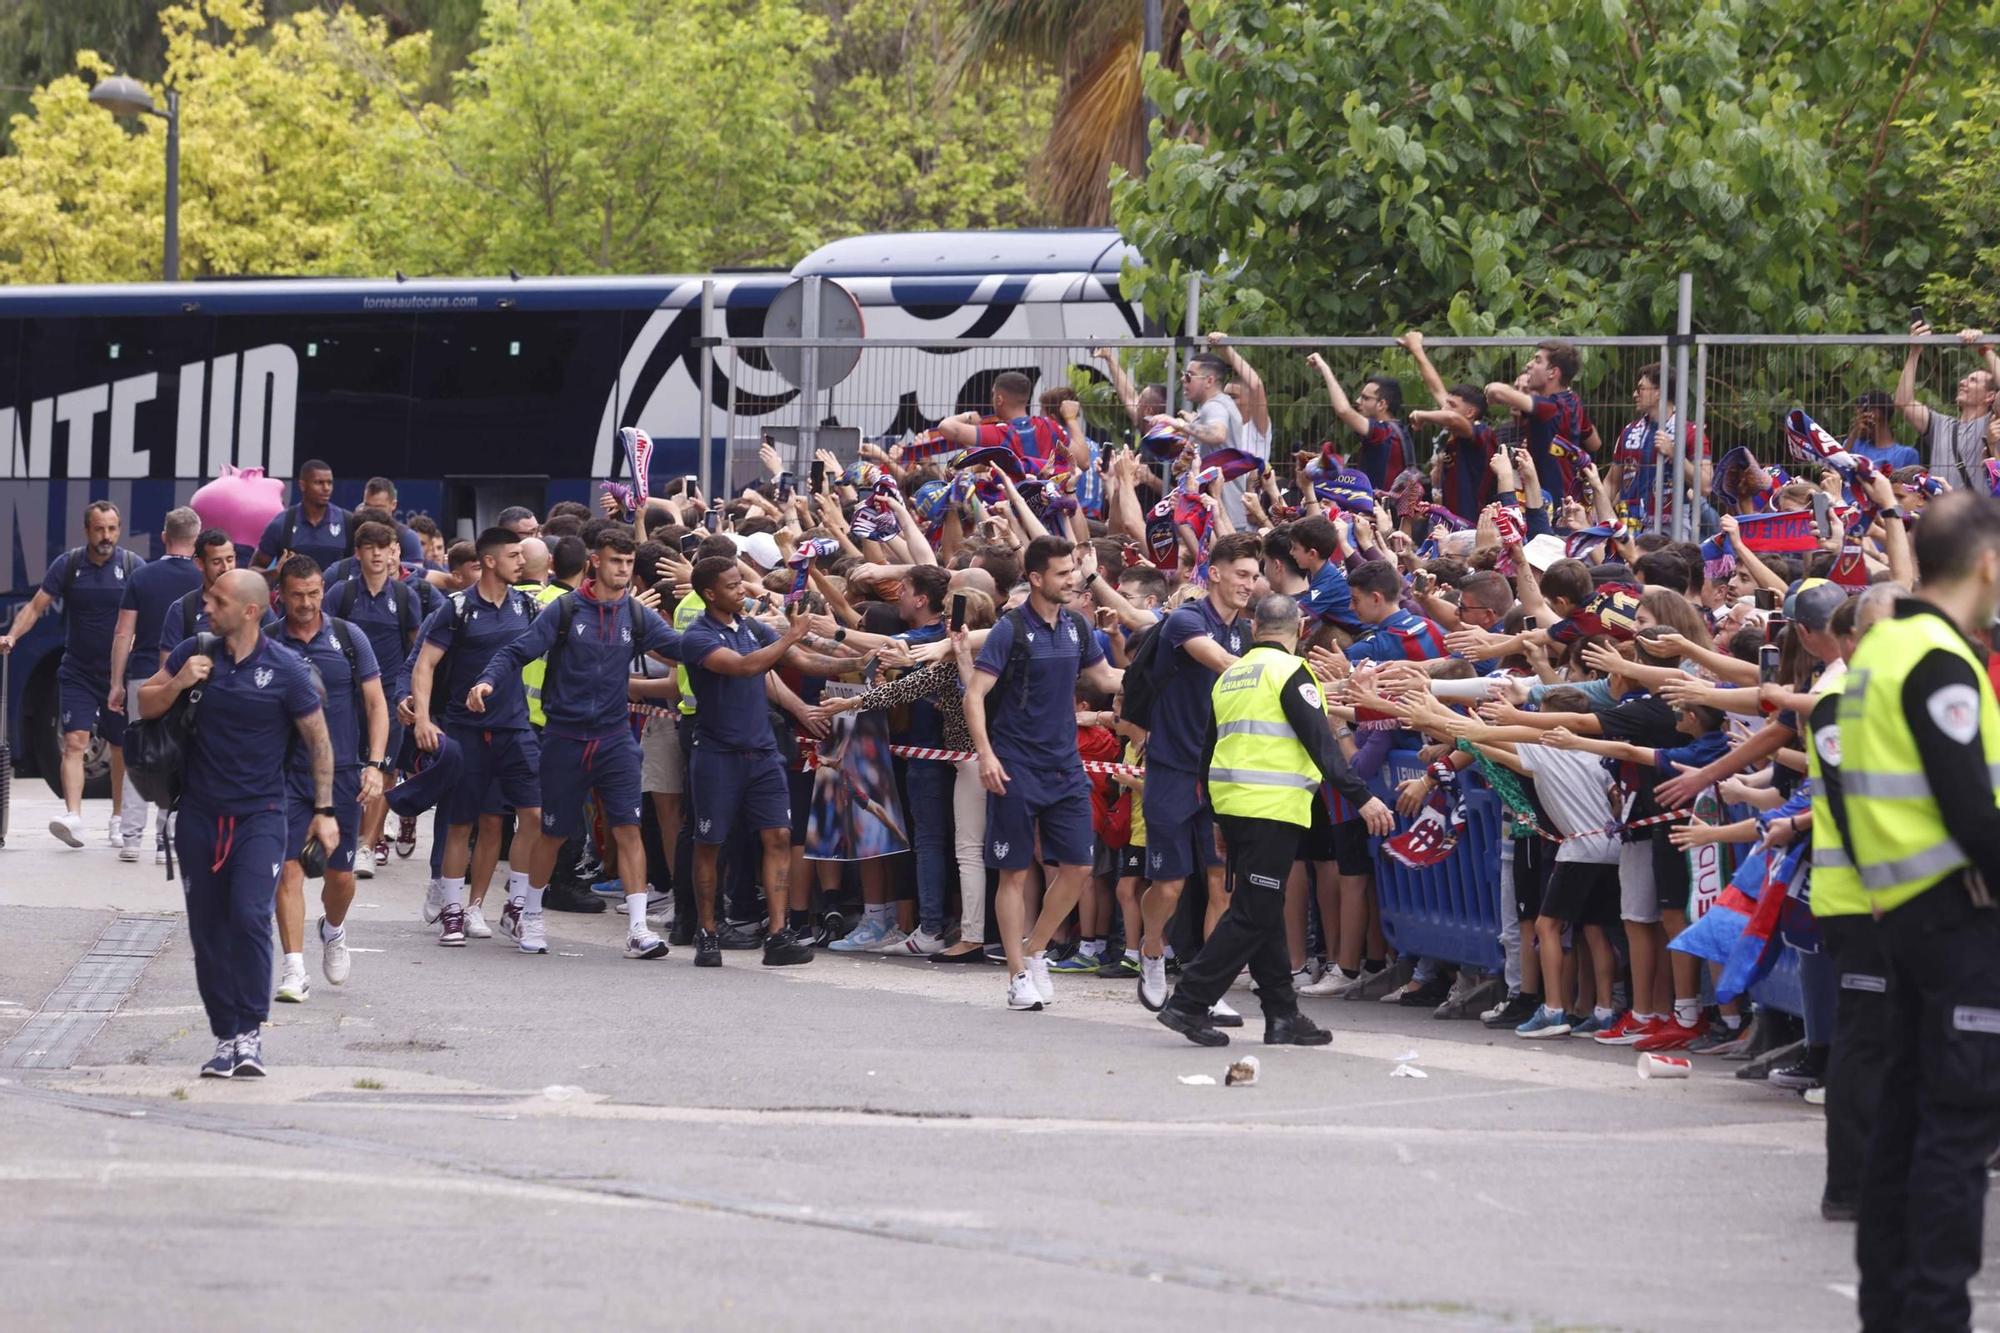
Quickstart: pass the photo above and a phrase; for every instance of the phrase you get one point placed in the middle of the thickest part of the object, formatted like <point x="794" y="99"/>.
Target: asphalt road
<point x="471" y="1137"/>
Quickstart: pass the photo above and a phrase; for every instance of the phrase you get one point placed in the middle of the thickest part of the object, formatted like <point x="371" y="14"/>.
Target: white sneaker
<point x="892" y="942"/>
<point x="923" y="944"/>
<point x="159" y="853"/>
<point x="475" y="923"/>
<point x="647" y="945"/>
<point x="68" y="827"/>
<point x="434" y="903"/>
<point x="117" y="838"/>
<point x="1152" y="982"/>
<point x="364" y="866"/>
<point x="1329" y="983"/>
<point x="292" y="984"/>
<point x="533" y="937"/>
<point x="1021" y="993"/>
<point x="1223" y="1016"/>
<point x="334" y="960"/>
<point x="128" y="850"/>
<point x="1038" y="972"/>
<point x="1396" y="996"/>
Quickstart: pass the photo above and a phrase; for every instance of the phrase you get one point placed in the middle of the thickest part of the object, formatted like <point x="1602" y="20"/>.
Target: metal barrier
<point x="1451" y="911"/>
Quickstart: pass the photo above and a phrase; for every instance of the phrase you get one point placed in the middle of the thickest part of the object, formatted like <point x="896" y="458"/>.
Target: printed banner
<point x="1708" y="870"/>
<point x="856" y="814"/>
<point x="1779" y="534"/>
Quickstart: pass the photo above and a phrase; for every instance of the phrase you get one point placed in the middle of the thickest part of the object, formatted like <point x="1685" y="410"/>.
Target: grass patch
<point x="368" y="1084"/>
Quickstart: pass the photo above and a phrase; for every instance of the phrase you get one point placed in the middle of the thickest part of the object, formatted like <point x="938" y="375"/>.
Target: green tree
<point x="1956" y="162"/>
<point x="276" y="123"/>
<point x="1490" y="165"/>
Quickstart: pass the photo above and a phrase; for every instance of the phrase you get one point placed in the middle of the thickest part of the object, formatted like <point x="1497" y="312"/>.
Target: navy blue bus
<point x="473" y="394"/>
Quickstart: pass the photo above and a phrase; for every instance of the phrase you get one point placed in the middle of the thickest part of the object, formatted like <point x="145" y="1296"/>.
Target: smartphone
<point x="689" y="541"/>
<point x="1767" y="599"/>
<point x="1774" y="629"/>
<point x="957" y="611"/>
<point x="818" y="475"/>
<point x="1822" y="507"/>
<point x="1767" y="664"/>
<point x="1917" y="315"/>
<point x="713" y="521"/>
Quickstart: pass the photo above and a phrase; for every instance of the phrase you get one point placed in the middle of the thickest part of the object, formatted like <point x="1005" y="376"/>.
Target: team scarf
<point x="1189" y="510"/>
<point x="801" y="558"/>
<point x="1756" y="485"/>
<point x="1406" y="492"/>
<point x="926" y="445"/>
<point x="1162" y="442"/>
<point x="1512" y="525"/>
<point x="1810" y="443"/>
<point x="1583" y="539"/>
<point x="638" y="453"/>
<point x="1233" y="463"/>
<point x="1434" y="834"/>
<point x="1924" y="484"/>
<point x="874" y="522"/>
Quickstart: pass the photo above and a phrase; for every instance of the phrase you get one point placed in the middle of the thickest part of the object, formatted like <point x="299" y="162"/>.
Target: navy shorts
<point x="737" y="786"/>
<point x="572" y="769"/>
<point x="394" y="747"/>
<point x="512" y="759"/>
<point x="1180" y="829"/>
<point x="346" y="813"/>
<point x="82" y="705"/>
<point x="1055" y="801"/>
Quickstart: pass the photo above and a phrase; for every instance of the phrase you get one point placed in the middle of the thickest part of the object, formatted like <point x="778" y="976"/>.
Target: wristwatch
<point x="840" y="636"/>
<point x="326" y="810"/>
<point x="1900" y="514"/>
<point x="1092" y="577"/>
<point x="385" y="765"/>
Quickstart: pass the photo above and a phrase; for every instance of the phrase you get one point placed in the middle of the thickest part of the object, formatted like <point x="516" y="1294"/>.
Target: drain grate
<point x="56" y="1034"/>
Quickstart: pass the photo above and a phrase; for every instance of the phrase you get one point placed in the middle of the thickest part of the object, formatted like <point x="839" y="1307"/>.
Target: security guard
<point x="1920" y="757"/>
<point x="1269" y="748"/>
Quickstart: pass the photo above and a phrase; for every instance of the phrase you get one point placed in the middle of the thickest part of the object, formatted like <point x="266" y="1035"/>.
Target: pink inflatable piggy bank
<point x="242" y="501"/>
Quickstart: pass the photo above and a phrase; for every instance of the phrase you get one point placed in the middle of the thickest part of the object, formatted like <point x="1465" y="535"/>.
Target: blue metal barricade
<point x="1451" y="911"/>
<point x="1780" y="987"/>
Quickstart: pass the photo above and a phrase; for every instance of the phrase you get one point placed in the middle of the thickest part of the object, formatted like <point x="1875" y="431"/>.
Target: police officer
<point x="1920" y="756"/>
<point x="231" y="823"/>
<point x="1269" y="748"/>
<point x="357" y="723"/>
<point x="89" y="581"/>
<point x="590" y="640"/>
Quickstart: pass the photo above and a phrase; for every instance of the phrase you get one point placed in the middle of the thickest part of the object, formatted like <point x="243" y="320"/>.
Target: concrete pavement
<point x="462" y="1137"/>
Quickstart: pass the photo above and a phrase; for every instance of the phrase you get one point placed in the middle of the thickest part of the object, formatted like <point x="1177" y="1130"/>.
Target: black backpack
<point x="458" y="618"/>
<point x="292" y="516"/>
<point x="1015" y="676"/>
<point x="340" y="604"/>
<point x="1143" y="675"/>
<point x="565" y="608"/>
<point x="76" y="559"/>
<point x="157" y="750"/>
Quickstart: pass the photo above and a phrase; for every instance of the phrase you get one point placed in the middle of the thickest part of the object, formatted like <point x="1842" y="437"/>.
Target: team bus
<point x="473" y="394"/>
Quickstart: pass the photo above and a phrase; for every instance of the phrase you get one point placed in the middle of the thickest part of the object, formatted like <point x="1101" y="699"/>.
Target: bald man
<point x="230" y="828"/>
<point x="534" y="560"/>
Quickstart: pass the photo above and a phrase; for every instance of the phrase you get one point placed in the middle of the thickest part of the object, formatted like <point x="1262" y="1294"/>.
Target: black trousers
<point x="1252" y="932"/>
<point x="1923" y="1192"/>
<point x="1861" y="1049"/>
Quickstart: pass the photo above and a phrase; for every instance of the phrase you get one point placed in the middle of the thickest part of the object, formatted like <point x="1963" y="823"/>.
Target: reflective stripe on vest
<point x="1892" y="817"/>
<point x="1259" y="770"/>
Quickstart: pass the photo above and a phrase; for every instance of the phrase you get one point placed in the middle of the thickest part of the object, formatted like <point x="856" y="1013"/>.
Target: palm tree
<point x="1096" y="46"/>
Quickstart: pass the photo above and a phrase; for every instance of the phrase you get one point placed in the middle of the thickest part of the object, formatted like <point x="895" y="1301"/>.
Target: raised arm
<point x="1256" y="408"/>
<point x="1342" y="408"/>
<point x="1905" y="395"/>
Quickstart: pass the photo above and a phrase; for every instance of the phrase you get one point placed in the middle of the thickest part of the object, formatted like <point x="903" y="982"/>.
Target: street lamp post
<point x="125" y="97"/>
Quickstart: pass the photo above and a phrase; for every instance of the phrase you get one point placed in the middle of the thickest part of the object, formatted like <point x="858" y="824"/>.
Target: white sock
<point x="454" y="891"/>
<point x="1131" y="955"/>
<point x="517" y="883"/>
<point x="295" y="960"/>
<point x="1687" y="1012"/>
<point x="329" y="933"/>
<point x="1603" y="1015"/>
<point x="876" y="912"/>
<point x="635" y="908"/>
<point x="1732" y="1021"/>
<point x="531" y="897"/>
<point x="1091" y="948"/>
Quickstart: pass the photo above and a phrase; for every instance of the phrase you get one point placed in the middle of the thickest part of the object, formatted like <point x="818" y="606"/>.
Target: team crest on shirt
<point x="118" y="572"/>
<point x="275" y="868"/>
<point x="548" y="819"/>
<point x="1000" y="848"/>
<point x="333" y="531"/>
<point x="262" y="675"/>
<point x="626" y="634"/>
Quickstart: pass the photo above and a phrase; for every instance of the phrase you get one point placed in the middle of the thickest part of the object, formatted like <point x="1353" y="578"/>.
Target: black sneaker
<point x="781" y="950"/>
<point x="223" y="1063"/>
<point x="1195" y="1027"/>
<point x="832" y="926"/>
<point x="1427" y="996"/>
<point x="1295" y="1030"/>
<point x="1515" y="1012"/>
<point x="742" y="934"/>
<point x="1808" y="1071"/>
<point x="707" y="949"/>
<point x="568" y="897"/>
<point x="250" y="1055"/>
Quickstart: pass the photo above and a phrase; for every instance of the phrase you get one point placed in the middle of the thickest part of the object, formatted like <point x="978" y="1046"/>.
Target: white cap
<point x="761" y="549"/>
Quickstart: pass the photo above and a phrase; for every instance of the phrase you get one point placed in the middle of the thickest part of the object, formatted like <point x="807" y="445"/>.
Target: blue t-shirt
<point x="151" y="592"/>
<point x="245" y="727"/>
<point x="469" y="646"/>
<point x="90" y="611"/>
<point x="1033" y="722"/>
<point x="381" y="618"/>
<point x="326" y="541"/>
<point x="1186" y="696"/>
<point x="344" y="713"/>
<point x="731" y="712"/>
<point x="1328" y="597"/>
<point x="1887" y="457"/>
<point x="1700" y="752"/>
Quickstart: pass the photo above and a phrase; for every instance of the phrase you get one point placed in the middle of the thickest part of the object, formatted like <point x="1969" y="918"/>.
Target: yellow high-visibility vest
<point x="1260" y="770"/>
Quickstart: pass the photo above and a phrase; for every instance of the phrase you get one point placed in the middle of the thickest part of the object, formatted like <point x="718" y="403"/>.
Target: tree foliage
<point x="1501" y="165"/>
<point x="581" y="136"/>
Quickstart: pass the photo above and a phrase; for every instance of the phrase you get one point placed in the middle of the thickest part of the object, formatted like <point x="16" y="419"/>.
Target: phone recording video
<point x="818" y="475"/>
<point x="1767" y="664"/>
<point x="958" y="611"/>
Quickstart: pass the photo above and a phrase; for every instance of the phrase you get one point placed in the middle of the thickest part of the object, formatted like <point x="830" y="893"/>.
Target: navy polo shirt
<point x="326" y="541"/>
<point x="469" y="648"/>
<point x="731" y="712"/>
<point x="1040" y="730"/>
<point x="177" y="626"/>
<point x="1186" y="698"/>
<point x="344" y="712"/>
<point x="90" y="611"/>
<point x="589" y="698"/>
<point x="244" y="727"/>
<point x="151" y="592"/>
<point x="380" y="617"/>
